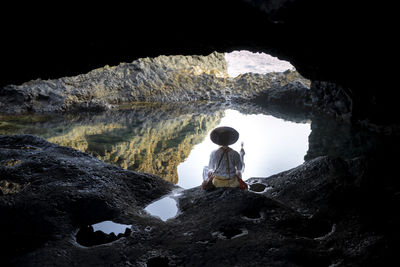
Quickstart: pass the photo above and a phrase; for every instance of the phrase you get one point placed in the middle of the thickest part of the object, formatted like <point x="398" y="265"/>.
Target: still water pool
<point x="272" y="145"/>
<point x="171" y="141"/>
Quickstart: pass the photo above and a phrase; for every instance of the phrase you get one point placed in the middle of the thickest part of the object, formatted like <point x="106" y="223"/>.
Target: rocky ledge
<point x="307" y="216"/>
<point x="160" y="79"/>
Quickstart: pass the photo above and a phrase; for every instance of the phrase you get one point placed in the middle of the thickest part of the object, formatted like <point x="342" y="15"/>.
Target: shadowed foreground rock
<point x="57" y="189"/>
<point x="301" y="217"/>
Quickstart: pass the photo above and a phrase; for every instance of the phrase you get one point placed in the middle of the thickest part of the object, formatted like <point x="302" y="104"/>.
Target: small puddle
<point x="165" y="208"/>
<point x="109" y="227"/>
<point x="102" y="233"/>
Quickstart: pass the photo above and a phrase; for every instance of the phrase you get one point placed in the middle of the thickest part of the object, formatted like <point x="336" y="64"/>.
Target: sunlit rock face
<point x="148" y="79"/>
<point x="149" y="138"/>
<point x="160" y="79"/>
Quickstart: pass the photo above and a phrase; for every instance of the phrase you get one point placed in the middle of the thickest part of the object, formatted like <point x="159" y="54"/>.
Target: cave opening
<point x="349" y="174"/>
<point x="176" y="146"/>
<point x="128" y="134"/>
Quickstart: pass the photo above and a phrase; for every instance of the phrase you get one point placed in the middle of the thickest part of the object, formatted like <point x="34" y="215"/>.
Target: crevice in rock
<point x="229" y="232"/>
<point x="257" y="187"/>
<point x="252" y="213"/>
<point x="309" y="228"/>
<point x="158" y="262"/>
<point x="315" y="228"/>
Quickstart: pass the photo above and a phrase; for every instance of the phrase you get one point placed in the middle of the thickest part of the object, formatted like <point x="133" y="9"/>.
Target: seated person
<point x="226" y="165"/>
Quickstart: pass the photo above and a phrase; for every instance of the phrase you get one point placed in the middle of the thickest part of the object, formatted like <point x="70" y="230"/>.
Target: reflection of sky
<point x="164" y="208"/>
<point x="272" y="145"/>
<point x="110" y="226"/>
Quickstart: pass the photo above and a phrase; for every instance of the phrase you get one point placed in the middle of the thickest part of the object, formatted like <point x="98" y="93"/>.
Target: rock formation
<point x="329" y="137"/>
<point x="319" y="213"/>
<point x="311" y="215"/>
<point x="160" y="79"/>
<point x="75" y="185"/>
<point x="347" y="44"/>
<point x="327" y="212"/>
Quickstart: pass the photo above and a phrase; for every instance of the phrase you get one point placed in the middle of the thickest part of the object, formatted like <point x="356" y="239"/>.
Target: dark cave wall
<point x="341" y="42"/>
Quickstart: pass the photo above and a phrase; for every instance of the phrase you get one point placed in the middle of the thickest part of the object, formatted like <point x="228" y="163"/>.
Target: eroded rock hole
<point x="230" y="232"/>
<point x="87" y="237"/>
<point x="306" y="257"/>
<point x="316" y="228"/>
<point x="158" y="262"/>
<point x="311" y="228"/>
<point x="252" y="214"/>
<point x="257" y="187"/>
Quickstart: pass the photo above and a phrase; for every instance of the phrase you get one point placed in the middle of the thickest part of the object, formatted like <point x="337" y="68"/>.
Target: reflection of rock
<point x="157" y="145"/>
<point x="160" y="148"/>
<point x="148" y="138"/>
<point x="7" y="187"/>
<point x="160" y="79"/>
<point x="328" y="137"/>
<point x="10" y="162"/>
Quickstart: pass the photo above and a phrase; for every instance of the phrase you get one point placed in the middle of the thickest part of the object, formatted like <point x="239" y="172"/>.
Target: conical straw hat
<point x="224" y="136"/>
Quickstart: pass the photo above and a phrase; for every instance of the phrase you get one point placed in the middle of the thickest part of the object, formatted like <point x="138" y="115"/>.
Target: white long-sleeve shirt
<point x="234" y="161"/>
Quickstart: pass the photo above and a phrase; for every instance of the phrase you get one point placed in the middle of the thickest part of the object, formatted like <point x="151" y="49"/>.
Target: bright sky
<point x="243" y="61"/>
<point x="272" y="145"/>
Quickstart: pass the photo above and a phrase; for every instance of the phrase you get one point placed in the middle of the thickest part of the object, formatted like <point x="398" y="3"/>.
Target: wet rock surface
<point x="308" y="216"/>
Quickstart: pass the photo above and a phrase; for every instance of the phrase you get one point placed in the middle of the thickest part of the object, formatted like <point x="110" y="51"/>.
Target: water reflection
<point x="109" y="227"/>
<point x="150" y="138"/>
<point x="329" y="137"/>
<point x="164" y="208"/>
<point x="272" y="145"/>
<point x="170" y="140"/>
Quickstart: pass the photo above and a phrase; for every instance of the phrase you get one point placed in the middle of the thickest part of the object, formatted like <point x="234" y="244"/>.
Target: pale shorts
<point x="219" y="181"/>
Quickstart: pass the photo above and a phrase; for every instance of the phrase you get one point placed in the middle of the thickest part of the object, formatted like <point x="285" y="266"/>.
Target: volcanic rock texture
<point x="160" y="79"/>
